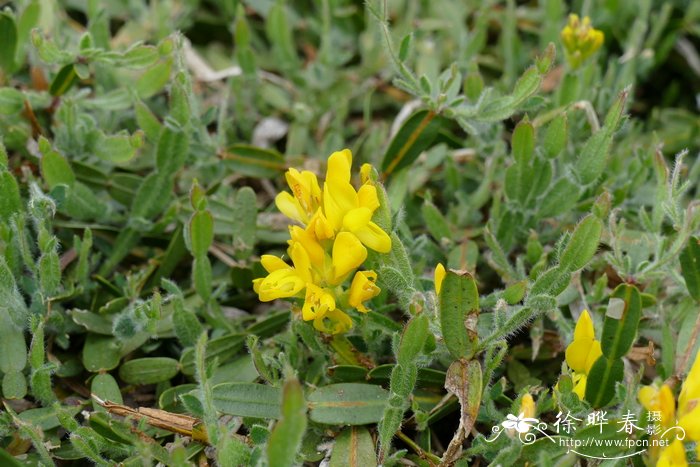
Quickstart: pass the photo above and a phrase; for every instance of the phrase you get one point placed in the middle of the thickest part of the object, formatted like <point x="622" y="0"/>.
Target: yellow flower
<point x="363" y="288"/>
<point x="673" y="456"/>
<point x="329" y="246"/>
<point x="527" y="406"/>
<point x="439" y="277"/>
<point x="580" y="40"/>
<point x="582" y="353"/>
<point x="660" y="399"/>
<point x="317" y="303"/>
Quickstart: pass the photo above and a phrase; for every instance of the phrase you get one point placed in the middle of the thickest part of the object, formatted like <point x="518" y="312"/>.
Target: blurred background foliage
<point x="143" y="145"/>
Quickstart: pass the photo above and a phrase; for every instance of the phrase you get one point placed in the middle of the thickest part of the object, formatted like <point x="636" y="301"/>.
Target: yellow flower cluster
<point x="661" y="400"/>
<point x="580" y="40"/>
<point x="582" y="353"/>
<point x="331" y="245"/>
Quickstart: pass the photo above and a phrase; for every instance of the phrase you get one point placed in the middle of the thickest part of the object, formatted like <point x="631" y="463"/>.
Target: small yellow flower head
<point x="661" y="399"/>
<point x="329" y="246"/>
<point x="580" y="40"/>
<point x="527" y="406"/>
<point x="440" y="273"/>
<point x="582" y="353"/>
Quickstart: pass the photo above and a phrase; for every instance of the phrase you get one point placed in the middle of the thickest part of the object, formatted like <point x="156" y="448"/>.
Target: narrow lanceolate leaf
<point x="582" y="244"/>
<point x="690" y="267"/>
<point x="248" y="400"/>
<point x="523" y="142"/>
<point x="621" y="321"/>
<point x="10" y="201"/>
<point x="149" y="370"/>
<point x="593" y="157"/>
<point x="286" y="436"/>
<point x="13" y="348"/>
<point x="253" y="161"/>
<point x="604" y="375"/>
<point x="347" y="404"/>
<point x="555" y="137"/>
<point x="415" y="136"/>
<point x="8" y="39"/>
<point x="464" y="380"/>
<point x="459" y="311"/>
<point x="201" y="233"/>
<point x="354" y="448"/>
<point x="63" y="81"/>
<point x="413" y="339"/>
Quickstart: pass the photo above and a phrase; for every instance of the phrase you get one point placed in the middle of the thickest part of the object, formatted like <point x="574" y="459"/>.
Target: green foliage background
<point x="143" y="144"/>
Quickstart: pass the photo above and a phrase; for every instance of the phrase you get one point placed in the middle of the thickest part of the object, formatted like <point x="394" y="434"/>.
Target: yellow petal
<point x="367" y="197"/>
<point x="374" y="237"/>
<point x="647" y="396"/>
<point x="691" y="386"/>
<point x="316" y="303"/>
<point x="439" y="277"/>
<point x="307" y="239"/>
<point x="666" y="404"/>
<point x="338" y="199"/>
<point x="527" y="406"/>
<point x="339" y="164"/>
<point x="691" y="423"/>
<point x="348" y="254"/>
<point x="593" y="354"/>
<point x="273" y="263"/>
<point x="289" y="206"/>
<point x="356" y="219"/>
<point x="579" y="381"/>
<point x="673" y="456"/>
<point x="577" y="354"/>
<point x="304" y="186"/>
<point x="334" y="322"/>
<point x="366" y="173"/>
<point x="320" y="226"/>
<point x="280" y="284"/>
<point x="584" y="327"/>
<point x="302" y="263"/>
<point x="363" y="288"/>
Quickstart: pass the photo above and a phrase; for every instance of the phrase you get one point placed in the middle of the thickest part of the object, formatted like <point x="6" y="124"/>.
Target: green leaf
<point x="523" y="142"/>
<point x="10" y="201"/>
<point x="354" y="448"/>
<point x="147" y="121"/>
<point x="413" y="339"/>
<point x="582" y="245"/>
<point x="559" y="198"/>
<point x="593" y="157"/>
<point x="100" y="353"/>
<point x="13" y="348"/>
<point x="285" y="439"/>
<point x="602" y="378"/>
<point x="459" y="311"/>
<point x="415" y="136"/>
<point x="347" y="404"/>
<point x="139" y="56"/>
<point x="105" y="387"/>
<point x="11" y="101"/>
<point x="56" y="169"/>
<point x="690" y="267"/>
<point x="253" y="161"/>
<point x="14" y="385"/>
<point x="248" y="400"/>
<point x="221" y="348"/>
<point x="245" y="216"/>
<point x="621" y="321"/>
<point x="551" y="282"/>
<point x="202" y="276"/>
<point x="435" y="222"/>
<point x="555" y="137"/>
<point x="116" y="149"/>
<point x="63" y="81"/>
<point x="154" y="79"/>
<point x="201" y="233"/>
<point x="150" y="370"/>
<point x="8" y="39"/>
